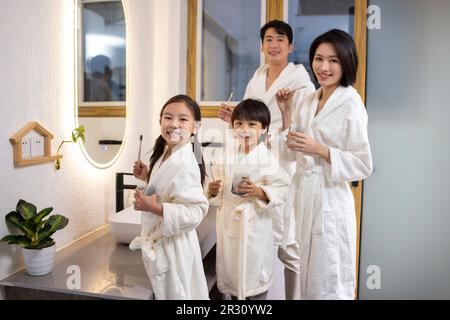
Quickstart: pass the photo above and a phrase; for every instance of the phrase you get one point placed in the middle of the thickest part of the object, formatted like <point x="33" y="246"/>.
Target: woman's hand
<point x="284" y="100"/>
<point x="140" y="170"/>
<point x="251" y="190"/>
<point x="225" y="112"/>
<point x="147" y="203"/>
<point x="300" y="142"/>
<point x="214" y="188"/>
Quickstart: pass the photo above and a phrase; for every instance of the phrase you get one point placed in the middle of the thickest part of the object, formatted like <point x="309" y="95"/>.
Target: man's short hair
<point x="281" y="27"/>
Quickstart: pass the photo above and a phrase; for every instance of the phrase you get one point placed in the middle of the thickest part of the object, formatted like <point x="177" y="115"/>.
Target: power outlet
<point x="26" y="148"/>
<point x="37" y="147"/>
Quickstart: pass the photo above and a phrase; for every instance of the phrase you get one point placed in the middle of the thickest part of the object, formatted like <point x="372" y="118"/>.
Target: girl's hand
<point x="140" y="170"/>
<point x="225" y="113"/>
<point x="251" y="190"/>
<point x="284" y="100"/>
<point x="147" y="203"/>
<point x="214" y="188"/>
<point x="300" y="142"/>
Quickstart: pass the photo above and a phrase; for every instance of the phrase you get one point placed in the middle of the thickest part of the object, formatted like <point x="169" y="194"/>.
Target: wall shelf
<point x="19" y="158"/>
<point x="36" y="160"/>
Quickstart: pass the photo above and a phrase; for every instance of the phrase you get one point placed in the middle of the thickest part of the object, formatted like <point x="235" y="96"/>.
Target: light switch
<point x="37" y="147"/>
<point x="26" y="148"/>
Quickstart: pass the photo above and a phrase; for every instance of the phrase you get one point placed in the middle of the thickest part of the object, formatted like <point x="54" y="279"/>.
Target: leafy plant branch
<point x="77" y="133"/>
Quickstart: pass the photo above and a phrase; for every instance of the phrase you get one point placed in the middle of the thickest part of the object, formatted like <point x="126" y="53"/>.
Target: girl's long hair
<point x="160" y="143"/>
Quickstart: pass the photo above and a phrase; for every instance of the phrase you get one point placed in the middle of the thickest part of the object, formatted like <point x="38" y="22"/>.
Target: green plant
<point x="36" y="231"/>
<point x="77" y="133"/>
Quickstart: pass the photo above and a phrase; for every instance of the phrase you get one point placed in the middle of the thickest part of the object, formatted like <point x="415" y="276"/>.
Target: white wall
<point x="406" y="205"/>
<point x="36" y="83"/>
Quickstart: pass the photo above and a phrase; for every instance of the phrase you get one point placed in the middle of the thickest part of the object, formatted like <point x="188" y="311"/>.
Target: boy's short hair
<point x="280" y="26"/>
<point x="346" y="51"/>
<point x="252" y="110"/>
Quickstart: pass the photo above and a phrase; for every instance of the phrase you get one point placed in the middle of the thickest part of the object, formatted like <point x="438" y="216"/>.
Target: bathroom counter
<point x="106" y="271"/>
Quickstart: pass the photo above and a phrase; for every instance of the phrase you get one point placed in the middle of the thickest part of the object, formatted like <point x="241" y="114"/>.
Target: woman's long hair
<point x="160" y="143"/>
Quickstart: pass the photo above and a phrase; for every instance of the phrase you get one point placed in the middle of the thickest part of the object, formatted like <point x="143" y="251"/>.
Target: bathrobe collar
<point x="335" y="101"/>
<point x="280" y="82"/>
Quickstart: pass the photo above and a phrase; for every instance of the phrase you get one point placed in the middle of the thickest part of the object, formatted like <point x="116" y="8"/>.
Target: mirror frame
<point x="98" y="109"/>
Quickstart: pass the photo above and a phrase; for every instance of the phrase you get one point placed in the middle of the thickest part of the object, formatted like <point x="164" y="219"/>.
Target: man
<point x="277" y="74"/>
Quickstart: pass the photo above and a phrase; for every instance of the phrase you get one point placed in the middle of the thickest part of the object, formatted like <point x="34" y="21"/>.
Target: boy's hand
<point x="251" y="190"/>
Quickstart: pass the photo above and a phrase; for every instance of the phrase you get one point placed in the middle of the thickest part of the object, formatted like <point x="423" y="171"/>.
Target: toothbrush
<point x="213" y="156"/>
<point x="231" y="96"/>
<point x="140" y="145"/>
<point x="210" y="169"/>
<point x="302" y="87"/>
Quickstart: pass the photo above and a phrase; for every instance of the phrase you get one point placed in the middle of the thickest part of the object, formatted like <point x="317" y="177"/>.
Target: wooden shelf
<point x="37" y="160"/>
<point x="20" y="159"/>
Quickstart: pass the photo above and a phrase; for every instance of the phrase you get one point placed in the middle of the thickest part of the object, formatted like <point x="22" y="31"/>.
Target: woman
<point x="328" y="139"/>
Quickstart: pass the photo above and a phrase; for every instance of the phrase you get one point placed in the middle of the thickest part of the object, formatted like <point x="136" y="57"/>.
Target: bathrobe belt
<point x="242" y="213"/>
<point x="147" y="244"/>
<point x="306" y="192"/>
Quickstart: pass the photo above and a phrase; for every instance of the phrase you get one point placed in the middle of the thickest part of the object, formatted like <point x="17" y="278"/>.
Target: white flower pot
<point x="39" y="262"/>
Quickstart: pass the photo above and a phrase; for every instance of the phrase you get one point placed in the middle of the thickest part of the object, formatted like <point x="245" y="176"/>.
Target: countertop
<point x="107" y="270"/>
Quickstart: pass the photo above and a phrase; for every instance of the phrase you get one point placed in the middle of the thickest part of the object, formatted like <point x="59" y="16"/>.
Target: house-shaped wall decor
<point x="32" y="145"/>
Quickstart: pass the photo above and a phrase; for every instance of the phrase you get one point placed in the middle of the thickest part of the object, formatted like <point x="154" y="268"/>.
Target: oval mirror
<point x="101" y="78"/>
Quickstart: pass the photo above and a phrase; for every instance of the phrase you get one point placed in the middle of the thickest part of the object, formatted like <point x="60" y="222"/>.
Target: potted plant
<point x="38" y="247"/>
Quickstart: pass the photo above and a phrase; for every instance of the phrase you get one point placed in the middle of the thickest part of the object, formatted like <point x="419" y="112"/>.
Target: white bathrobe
<point x="169" y="244"/>
<point x="292" y="77"/>
<point x="244" y="226"/>
<point x="320" y="193"/>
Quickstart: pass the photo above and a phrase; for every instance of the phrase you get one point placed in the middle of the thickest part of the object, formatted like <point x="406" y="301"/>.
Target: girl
<point x="253" y="184"/>
<point x="331" y="149"/>
<point x="173" y="205"/>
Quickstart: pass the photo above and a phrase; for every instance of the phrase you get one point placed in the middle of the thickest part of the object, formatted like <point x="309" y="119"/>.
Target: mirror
<point x="230" y="48"/>
<point x="101" y="78"/>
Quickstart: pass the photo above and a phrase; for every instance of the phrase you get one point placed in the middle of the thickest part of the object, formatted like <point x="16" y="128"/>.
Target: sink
<point x="125" y="225"/>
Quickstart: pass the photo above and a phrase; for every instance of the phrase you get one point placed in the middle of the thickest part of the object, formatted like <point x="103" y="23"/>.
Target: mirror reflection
<point x="230" y="50"/>
<point x="101" y="92"/>
<point x="310" y="18"/>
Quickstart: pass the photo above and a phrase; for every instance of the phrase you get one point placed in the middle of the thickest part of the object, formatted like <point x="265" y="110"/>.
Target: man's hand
<point x="225" y="113"/>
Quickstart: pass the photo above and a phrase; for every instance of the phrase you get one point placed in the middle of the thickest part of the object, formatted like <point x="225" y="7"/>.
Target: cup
<point x="131" y="198"/>
<point x="296" y="128"/>
<point x="237" y="180"/>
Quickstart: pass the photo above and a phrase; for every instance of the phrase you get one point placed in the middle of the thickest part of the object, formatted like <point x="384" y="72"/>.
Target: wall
<point x="406" y="204"/>
<point x="37" y="84"/>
